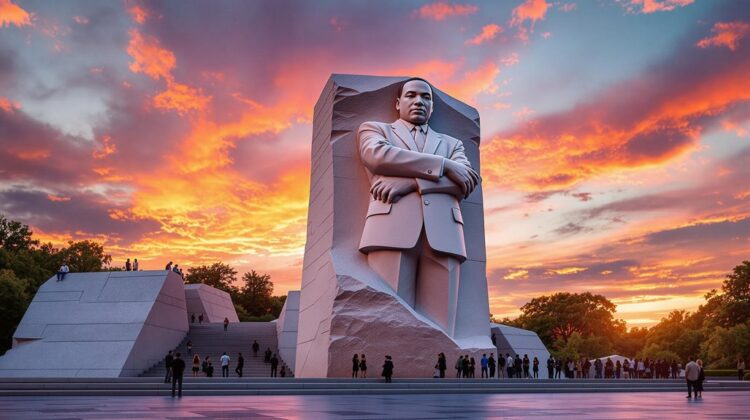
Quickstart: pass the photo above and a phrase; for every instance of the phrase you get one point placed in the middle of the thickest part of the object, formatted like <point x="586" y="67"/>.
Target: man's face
<point x="415" y="103"/>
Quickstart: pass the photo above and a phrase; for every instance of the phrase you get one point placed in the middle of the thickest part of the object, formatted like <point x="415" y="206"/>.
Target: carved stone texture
<point x="345" y="307"/>
<point x="98" y="325"/>
<point x="286" y="328"/>
<point x="214" y="304"/>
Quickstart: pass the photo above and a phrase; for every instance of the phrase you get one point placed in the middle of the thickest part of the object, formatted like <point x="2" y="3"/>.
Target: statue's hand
<point x="465" y="177"/>
<point x="390" y="189"/>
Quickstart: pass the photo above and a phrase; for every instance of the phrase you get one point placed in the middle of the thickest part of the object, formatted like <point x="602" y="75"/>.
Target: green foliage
<point x="218" y="275"/>
<point x="721" y="346"/>
<point x="15" y="236"/>
<point x="746" y="377"/>
<point x="720" y="372"/>
<point x="559" y="316"/>
<point x="578" y="346"/>
<point x="85" y="256"/>
<point x="732" y="306"/>
<point x="654" y="351"/>
<point x="262" y="318"/>
<point x="13" y="304"/>
<point x="255" y="293"/>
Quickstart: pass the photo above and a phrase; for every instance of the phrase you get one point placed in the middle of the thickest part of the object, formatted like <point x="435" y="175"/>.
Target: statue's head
<point x="414" y="101"/>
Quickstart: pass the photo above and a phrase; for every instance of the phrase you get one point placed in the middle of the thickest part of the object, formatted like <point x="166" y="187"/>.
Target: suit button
<point x="429" y="171"/>
<point x="426" y="202"/>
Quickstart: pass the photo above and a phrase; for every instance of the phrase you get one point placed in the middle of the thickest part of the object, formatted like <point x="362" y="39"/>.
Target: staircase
<point x="212" y="340"/>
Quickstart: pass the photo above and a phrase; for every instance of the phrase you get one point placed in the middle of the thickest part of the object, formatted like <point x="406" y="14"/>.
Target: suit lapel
<point x="404" y="134"/>
<point x="433" y="140"/>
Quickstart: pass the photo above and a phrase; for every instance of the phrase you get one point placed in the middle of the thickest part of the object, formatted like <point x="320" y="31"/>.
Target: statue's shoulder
<point x="451" y="140"/>
<point x="381" y="127"/>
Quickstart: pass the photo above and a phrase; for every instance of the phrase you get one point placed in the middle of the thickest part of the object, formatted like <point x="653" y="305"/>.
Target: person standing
<point x="240" y="365"/>
<point x="63" y="271"/>
<point x="484" y="364"/>
<point x="128" y="267"/>
<point x="510" y="363"/>
<point x="459" y="366"/>
<point x="274" y="364"/>
<point x="192" y="318"/>
<point x="224" y="365"/>
<point x="550" y="367"/>
<point x="178" y="370"/>
<point x="692" y="373"/>
<point x="500" y="366"/>
<point x="491" y="364"/>
<point x="442" y="364"/>
<point x="135" y="264"/>
<point x="701" y="378"/>
<point x="362" y="365"/>
<point x="387" y="369"/>
<point x="226" y="323"/>
<point x="200" y="318"/>
<point x="168" y="267"/>
<point x="267" y="355"/>
<point x="256" y="347"/>
<point x="189" y="346"/>
<point x="740" y="369"/>
<point x="196" y="364"/>
<point x="355" y="365"/>
<point x="168" y="364"/>
<point x="535" y="368"/>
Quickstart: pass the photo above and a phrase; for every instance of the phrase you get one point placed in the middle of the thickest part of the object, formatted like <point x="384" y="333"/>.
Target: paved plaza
<point x="639" y="405"/>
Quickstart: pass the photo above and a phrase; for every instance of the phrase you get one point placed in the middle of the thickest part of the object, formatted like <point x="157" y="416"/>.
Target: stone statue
<point x="395" y="261"/>
<point x="413" y="233"/>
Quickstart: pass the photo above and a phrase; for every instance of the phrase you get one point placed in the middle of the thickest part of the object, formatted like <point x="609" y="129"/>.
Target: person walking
<point x="178" y="370"/>
<point x="692" y="374"/>
<point x="484" y="364"/>
<point x="362" y="366"/>
<point x="196" y="364"/>
<point x="226" y="323"/>
<point x="224" y="365"/>
<point x="274" y="364"/>
<point x="740" y="369"/>
<point x="387" y="369"/>
<point x="240" y="365"/>
<point x="701" y="378"/>
<point x="491" y="365"/>
<point x="355" y="365"/>
<point x="189" y="346"/>
<point x="256" y="347"/>
<point x="168" y="364"/>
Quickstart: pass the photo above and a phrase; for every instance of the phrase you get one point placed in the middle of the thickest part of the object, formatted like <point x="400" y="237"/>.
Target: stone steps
<point x="210" y="339"/>
<point x="289" y="386"/>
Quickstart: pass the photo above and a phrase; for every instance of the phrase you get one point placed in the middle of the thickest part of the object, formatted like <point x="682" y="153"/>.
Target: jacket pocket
<point x="457" y="215"/>
<point x="378" y="207"/>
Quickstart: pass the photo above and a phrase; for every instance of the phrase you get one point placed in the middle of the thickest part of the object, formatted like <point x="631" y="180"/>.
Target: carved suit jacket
<point x="389" y="150"/>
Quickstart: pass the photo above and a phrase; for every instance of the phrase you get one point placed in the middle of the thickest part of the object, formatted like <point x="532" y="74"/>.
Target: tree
<point x="85" y="256"/>
<point x="255" y="293"/>
<point x="218" y="275"/>
<point x="724" y="345"/>
<point x="13" y="304"/>
<point x="560" y="315"/>
<point x="578" y="346"/>
<point x="14" y="235"/>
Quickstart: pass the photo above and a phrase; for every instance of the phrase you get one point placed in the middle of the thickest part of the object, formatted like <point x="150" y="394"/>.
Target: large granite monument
<point x="377" y="188"/>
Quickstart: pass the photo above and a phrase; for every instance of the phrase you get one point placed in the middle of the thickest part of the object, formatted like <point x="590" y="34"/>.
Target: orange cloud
<point x="56" y="198"/>
<point x="441" y="10"/>
<point x="181" y="98"/>
<point x="107" y="148"/>
<point x="531" y="10"/>
<point x="149" y="57"/>
<point x="138" y="13"/>
<point x="726" y="34"/>
<point x="474" y="82"/>
<point x="13" y="14"/>
<point x="653" y="6"/>
<point x="489" y="32"/>
<point x="7" y="105"/>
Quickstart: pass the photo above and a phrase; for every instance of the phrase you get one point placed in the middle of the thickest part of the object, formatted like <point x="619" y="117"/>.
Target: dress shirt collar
<point x="410" y="126"/>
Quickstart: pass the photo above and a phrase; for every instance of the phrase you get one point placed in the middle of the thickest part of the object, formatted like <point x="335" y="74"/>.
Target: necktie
<point x="419" y="137"/>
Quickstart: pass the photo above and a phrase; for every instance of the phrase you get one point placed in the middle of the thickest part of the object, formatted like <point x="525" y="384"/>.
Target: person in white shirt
<point x="225" y="365"/>
<point x="692" y="373"/>
<point x="62" y="272"/>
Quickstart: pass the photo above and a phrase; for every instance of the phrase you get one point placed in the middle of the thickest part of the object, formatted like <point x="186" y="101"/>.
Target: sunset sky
<point x="615" y="144"/>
